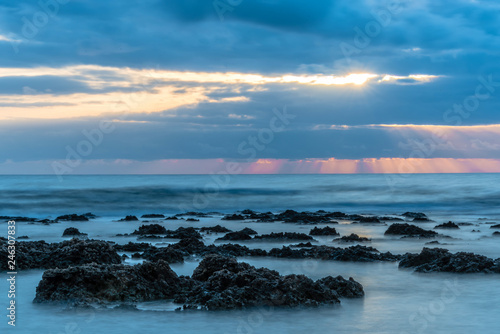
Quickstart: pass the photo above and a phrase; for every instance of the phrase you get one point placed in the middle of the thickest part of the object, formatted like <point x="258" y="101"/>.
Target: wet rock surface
<point x="218" y="283"/>
<point x="450" y="225"/>
<point x="72" y="231"/>
<point x="39" y="254"/>
<point x="441" y="260"/>
<point x="352" y="238"/>
<point x="284" y="236"/>
<point x="409" y="230"/>
<point x="324" y="231"/>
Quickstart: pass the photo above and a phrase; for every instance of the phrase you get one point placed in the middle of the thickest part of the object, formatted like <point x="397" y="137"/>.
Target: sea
<point x="396" y="300"/>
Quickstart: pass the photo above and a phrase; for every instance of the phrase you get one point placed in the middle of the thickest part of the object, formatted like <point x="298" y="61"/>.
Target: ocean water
<point x="396" y="301"/>
<point x="112" y="195"/>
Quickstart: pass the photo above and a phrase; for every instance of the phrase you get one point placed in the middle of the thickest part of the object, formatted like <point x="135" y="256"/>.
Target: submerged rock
<point x="284" y="236"/>
<point x="352" y="238"/>
<point x="323" y="231"/>
<point x="129" y="219"/>
<point x="72" y="231"/>
<point x="441" y="260"/>
<point x="409" y="230"/>
<point x="215" y="229"/>
<point x="73" y="217"/>
<point x="448" y="225"/>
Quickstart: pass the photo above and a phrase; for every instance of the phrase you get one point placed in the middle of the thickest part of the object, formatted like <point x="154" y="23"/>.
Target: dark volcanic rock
<point x="129" y="219"/>
<point x="236" y="236"/>
<point x="133" y="247"/>
<point x="448" y="225"/>
<point x="217" y="283"/>
<point x="371" y="219"/>
<point x="496" y="234"/>
<point x="352" y="238"/>
<point x="39" y="254"/>
<point x="172" y="218"/>
<point x="192" y="220"/>
<point x="18" y="219"/>
<point x="153" y="215"/>
<point x="495" y="226"/>
<point x="73" y="217"/>
<point x="354" y="253"/>
<point x="441" y="260"/>
<point x="150" y="229"/>
<point x="284" y="236"/>
<point x="72" y="231"/>
<point x="93" y="283"/>
<point x="167" y="254"/>
<point x="323" y="231"/>
<point x="409" y="230"/>
<point x="233" y="217"/>
<point x="215" y="229"/>
<point x="228" y="284"/>
<point x="291" y="216"/>
<point x="414" y="215"/>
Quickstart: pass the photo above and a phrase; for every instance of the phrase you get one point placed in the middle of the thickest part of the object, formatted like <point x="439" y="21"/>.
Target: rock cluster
<point x="409" y="230"/>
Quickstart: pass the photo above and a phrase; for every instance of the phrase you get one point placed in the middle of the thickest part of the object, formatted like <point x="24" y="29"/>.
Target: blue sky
<point x="370" y="85"/>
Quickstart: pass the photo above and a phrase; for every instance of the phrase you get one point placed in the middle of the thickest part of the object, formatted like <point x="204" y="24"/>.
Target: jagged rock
<point x="72" y="231"/>
<point x="101" y="284"/>
<point x="409" y="230"/>
<point x="217" y="283"/>
<point x="414" y="215"/>
<point x="448" y="225"/>
<point x="39" y="254"/>
<point x="236" y="236"/>
<point x="352" y="238"/>
<point x="167" y="254"/>
<point x="153" y="215"/>
<point x="150" y="229"/>
<point x="215" y="229"/>
<point x="284" y="236"/>
<point x="234" y="216"/>
<point x="129" y="219"/>
<point x="441" y="260"/>
<point x="323" y="231"/>
<point x="73" y="217"/>
<point x="354" y="253"/>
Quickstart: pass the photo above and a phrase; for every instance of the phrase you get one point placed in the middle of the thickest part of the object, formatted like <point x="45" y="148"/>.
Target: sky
<point x="249" y="86"/>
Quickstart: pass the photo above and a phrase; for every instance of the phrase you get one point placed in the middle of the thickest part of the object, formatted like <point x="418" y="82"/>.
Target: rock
<point x="73" y="217"/>
<point x="441" y="260"/>
<point x="89" y="215"/>
<point x="414" y="215"/>
<point x="132" y="247"/>
<point x="167" y="254"/>
<point x="153" y="215"/>
<point x="291" y="216"/>
<point x="354" y="253"/>
<point x="284" y="236"/>
<point x="372" y="219"/>
<point x="172" y="218"/>
<point x="101" y="284"/>
<point x="495" y="226"/>
<point x="192" y="213"/>
<point x="150" y="229"/>
<point x="496" y="234"/>
<point x="215" y="229"/>
<point x="388" y="218"/>
<point x="323" y="231"/>
<point x="236" y="236"/>
<point x="23" y="237"/>
<point x="228" y="284"/>
<point x="447" y="225"/>
<point x="39" y="254"/>
<point x="18" y="219"/>
<point x="192" y="220"/>
<point x="352" y="238"/>
<point x="409" y="230"/>
<point x="233" y="217"/>
<point x="72" y="231"/>
<point x="217" y="283"/>
<point x="129" y="219"/>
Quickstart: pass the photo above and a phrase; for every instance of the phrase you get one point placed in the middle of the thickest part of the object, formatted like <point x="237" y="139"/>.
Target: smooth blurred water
<point x="111" y="195"/>
<point x="396" y="301"/>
